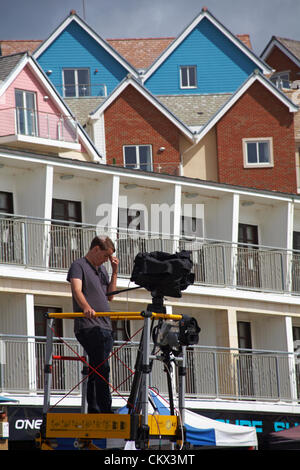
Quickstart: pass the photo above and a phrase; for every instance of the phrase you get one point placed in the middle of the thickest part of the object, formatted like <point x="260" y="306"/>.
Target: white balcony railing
<point x="50" y="244"/>
<point x="31" y="123"/>
<point x="82" y="90"/>
<point x="212" y="372"/>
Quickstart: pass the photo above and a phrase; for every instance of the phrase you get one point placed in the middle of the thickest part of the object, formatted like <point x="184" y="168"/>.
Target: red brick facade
<point x="281" y="63"/>
<point x="132" y="120"/>
<point x="257" y="114"/>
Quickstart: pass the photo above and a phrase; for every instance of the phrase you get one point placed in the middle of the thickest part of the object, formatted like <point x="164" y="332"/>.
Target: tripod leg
<point x="168" y="366"/>
<point x="133" y="400"/>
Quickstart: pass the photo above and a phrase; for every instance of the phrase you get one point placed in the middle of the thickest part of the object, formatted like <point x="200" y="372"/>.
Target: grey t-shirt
<point x="94" y="287"/>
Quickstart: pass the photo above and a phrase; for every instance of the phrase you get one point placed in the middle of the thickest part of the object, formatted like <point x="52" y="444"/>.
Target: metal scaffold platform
<point x="170" y="334"/>
<point x="162" y="274"/>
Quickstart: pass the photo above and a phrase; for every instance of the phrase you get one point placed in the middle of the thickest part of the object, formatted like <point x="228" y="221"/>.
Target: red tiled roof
<point x="9" y="47"/>
<point x="245" y="38"/>
<point x="139" y="52"/>
<point x="142" y="52"/>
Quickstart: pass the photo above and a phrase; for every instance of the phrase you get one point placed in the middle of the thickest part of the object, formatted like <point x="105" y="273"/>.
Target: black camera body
<point x="163" y="274"/>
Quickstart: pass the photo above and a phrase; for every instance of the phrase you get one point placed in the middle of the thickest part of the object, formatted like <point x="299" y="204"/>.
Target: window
<point x="26" y="114"/>
<point x="188" y="76"/>
<point x="66" y="210"/>
<point x="248" y="234"/>
<point x="40" y="325"/>
<point x="66" y="238"/>
<point x="138" y="156"/>
<point x="244" y="360"/>
<point x="281" y="79"/>
<point x="296" y="333"/>
<point x="296" y="263"/>
<point x="40" y="321"/>
<point x="6" y="202"/>
<point x="248" y="266"/>
<point x="244" y="335"/>
<point x="76" y="82"/>
<point x="131" y="219"/>
<point x="258" y="152"/>
<point x="7" y="249"/>
<point x="191" y="227"/>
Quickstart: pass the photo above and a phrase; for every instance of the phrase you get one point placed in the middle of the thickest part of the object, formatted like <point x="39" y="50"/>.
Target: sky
<point x="261" y="19"/>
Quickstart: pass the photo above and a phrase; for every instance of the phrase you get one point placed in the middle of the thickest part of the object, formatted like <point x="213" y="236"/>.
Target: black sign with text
<point x="25" y="421"/>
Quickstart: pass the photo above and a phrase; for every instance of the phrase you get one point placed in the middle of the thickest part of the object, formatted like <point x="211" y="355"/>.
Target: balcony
<point x="212" y="373"/>
<point x="82" y="90"/>
<point x="169" y="168"/>
<point x="53" y="245"/>
<point x="29" y="128"/>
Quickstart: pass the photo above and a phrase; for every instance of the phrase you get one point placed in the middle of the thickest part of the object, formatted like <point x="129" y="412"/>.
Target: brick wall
<point x="281" y="63"/>
<point x="132" y="120"/>
<point x="257" y="114"/>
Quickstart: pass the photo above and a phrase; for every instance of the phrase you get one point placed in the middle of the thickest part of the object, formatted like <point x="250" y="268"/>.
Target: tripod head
<point x="165" y="274"/>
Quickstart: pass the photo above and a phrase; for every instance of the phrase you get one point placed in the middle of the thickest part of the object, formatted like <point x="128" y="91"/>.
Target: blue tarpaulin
<point x="7" y="400"/>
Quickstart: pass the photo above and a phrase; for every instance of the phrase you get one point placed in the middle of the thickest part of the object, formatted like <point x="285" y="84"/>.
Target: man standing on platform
<point x="90" y="284"/>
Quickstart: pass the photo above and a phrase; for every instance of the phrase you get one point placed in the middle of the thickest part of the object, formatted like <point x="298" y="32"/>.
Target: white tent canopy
<point x="202" y="431"/>
<point x="206" y="431"/>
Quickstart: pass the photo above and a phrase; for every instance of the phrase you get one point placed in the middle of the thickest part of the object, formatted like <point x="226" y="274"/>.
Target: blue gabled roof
<point x="222" y="60"/>
<point x="74" y="45"/>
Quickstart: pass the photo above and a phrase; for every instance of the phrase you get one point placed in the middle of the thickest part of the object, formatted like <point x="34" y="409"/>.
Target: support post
<point x="181" y="397"/>
<point x="145" y="381"/>
<point x="85" y="373"/>
<point x="48" y="365"/>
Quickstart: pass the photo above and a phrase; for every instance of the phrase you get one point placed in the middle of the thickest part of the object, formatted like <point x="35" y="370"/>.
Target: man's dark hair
<point x="104" y="243"/>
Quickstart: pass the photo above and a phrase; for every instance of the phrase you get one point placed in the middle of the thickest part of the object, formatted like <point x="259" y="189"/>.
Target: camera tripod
<point x="137" y="425"/>
<point x="138" y="401"/>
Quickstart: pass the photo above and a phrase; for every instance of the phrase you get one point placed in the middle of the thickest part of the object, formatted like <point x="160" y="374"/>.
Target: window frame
<point x="76" y="83"/>
<point x="191" y="227"/>
<point x="137" y="148"/>
<point x="188" y="67"/>
<point x="278" y="80"/>
<point x="258" y="164"/>
<point x="30" y="124"/>
<point x="9" y="207"/>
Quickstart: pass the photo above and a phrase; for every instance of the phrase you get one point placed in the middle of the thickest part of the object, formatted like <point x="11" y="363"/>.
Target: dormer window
<point x="76" y="83"/>
<point x="188" y="76"/>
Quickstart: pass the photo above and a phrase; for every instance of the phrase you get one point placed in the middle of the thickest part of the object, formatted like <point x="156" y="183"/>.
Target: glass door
<point x="26" y="112"/>
<point x="40" y="324"/>
<point x="7" y="227"/>
<point x="66" y="238"/>
<point x="248" y="256"/>
<point x="296" y="262"/>
<point x="244" y="364"/>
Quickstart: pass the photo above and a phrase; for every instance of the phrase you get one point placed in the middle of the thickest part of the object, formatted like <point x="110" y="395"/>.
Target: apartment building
<point x="61" y="185"/>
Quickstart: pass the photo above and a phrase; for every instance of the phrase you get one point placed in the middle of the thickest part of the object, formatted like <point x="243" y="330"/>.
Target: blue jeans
<point x="98" y="344"/>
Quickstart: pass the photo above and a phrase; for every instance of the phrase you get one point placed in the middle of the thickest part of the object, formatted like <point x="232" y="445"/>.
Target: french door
<point x="66" y="237"/>
<point x="248" y="271"/>
<point x="26" y="113"/>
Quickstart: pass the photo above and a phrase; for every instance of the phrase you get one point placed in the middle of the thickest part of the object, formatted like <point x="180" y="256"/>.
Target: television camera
<point x="162" y="274"/>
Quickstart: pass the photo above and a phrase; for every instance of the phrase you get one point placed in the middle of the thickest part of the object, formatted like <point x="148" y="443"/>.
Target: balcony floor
<point x="39" y="144"/>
